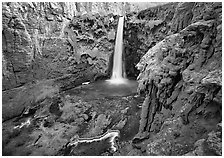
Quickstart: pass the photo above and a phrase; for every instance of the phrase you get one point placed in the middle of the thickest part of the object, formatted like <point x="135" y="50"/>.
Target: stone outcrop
<point x="50" y="121"/>
<point x="17" y="101"/>
<point x="143" y="30"/>
<point x="44" y="40"/>
<point x="182" y="73"/>
<point x="97" y="145"/>
<point x="212" y="145"/>
<point x="35" y="46"/>
<point x="26" y="29"/>
<point x="50" y="48"/>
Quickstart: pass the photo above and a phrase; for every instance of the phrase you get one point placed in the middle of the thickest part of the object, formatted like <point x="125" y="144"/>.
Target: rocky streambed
<point x="84" y="112"/>
<point x="177" y="49"/>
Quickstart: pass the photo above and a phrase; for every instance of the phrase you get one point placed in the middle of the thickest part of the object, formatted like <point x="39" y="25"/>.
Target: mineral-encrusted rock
<point x="29" y="96"/>
<point x="37" y="43"/>
<point x="162" y="143"/>
<point x="34" y="41"/>
<point x="102" y="121"/>
<point x="167" y="62"/>
<point x="143" y="30"/>
<point x="164" y="12"/>
<point x="212" y="145"/>
<point x="183" y="16"/>
<point x="199" y="151"/>
<point x="93" y="146"/>
<point x="180" y="76"/>
<point x="24" y="32"/>
<point x="47" y="126"/>
<point x="186" y="69"/>
<point x="214" y="141"/>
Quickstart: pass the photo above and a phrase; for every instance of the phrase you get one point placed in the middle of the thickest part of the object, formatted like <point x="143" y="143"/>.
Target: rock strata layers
<point x="181" y="77"/>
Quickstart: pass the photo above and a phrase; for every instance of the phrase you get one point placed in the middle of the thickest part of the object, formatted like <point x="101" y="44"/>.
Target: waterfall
<point x="117" y="71"/>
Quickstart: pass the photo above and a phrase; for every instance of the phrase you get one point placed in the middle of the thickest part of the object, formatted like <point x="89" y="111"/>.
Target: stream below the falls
<point x="106" y="89"/>
<point x="118" y="101"/>
<point x="87" y="111"/>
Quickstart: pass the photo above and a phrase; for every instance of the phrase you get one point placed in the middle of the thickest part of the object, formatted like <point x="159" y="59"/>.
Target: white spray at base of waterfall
<point x="117" y="71"/>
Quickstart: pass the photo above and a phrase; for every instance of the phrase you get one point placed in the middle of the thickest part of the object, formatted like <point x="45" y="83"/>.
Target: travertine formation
<point x="103" y="142"/>
<point x="44" y="40"/>
<point x="182" y="73"/>
<point x="50" y="48"/>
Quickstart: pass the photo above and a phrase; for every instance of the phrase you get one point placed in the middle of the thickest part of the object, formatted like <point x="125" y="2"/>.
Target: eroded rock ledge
<point x="99" y="144"/>
<point x="181" y="77"/>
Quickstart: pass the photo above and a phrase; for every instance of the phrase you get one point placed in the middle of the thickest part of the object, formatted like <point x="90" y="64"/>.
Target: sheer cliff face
<point x="27" y="29"/>
<point x="34" y="40"/>
<point x="38" y="37"/>
<point x="143" y="30"/>
<point x="176" y="47"/>
<point x="183" y="73"/>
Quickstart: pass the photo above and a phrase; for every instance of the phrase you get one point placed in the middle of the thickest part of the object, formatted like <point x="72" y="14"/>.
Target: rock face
<point x="97" y="145"/>
<point x="143" y="30"/>
<point x="212" y="145"/>
<point x="27" y="97"/>
<point x="181" y="77"/>
<point x="51" y="121"/>
<point x="177" y="50"/>
<point x="26" y="29"/>
<point x="43" y="40"/>
<point x="35" y="43"/>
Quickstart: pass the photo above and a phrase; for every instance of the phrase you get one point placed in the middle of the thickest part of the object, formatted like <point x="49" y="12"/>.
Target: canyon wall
<point x="143" y="30"/>
<point x="176" y="48"/>
<point x="36" y="44"/>
<point x="181" y="77"/>
<point x="43" y="40"/>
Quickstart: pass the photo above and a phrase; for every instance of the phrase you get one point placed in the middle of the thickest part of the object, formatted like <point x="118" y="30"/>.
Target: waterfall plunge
<point x="117" y="72"/>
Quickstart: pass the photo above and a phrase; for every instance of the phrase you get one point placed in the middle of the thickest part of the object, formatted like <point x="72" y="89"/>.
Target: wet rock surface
<point x="48" y="53"/>
<point x="182" y="113"/>
<point x="143" y="30"/>
<point x="22" y="99"/>
<point x="45" y="40"/>
<point x="37" y="43"/>
<point x="59" y="118"/>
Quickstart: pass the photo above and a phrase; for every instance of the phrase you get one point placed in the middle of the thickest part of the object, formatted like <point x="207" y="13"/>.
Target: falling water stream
<point x="111" y="109"/>
<point x="118" y="84"/>
<point x="113" y="90"/>
<point x="118" y="74"/>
